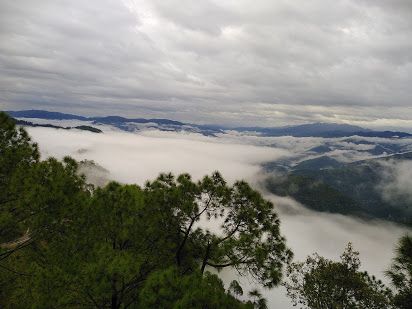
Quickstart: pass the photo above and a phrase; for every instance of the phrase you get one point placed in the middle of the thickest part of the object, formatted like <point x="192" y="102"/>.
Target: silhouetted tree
<point x="319" y="283"/>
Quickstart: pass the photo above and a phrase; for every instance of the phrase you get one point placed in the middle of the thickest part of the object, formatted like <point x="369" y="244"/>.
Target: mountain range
<point x="327" y="130"/>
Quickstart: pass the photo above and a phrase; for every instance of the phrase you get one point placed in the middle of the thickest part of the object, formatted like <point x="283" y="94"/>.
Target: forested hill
<point x="358" y="188"/>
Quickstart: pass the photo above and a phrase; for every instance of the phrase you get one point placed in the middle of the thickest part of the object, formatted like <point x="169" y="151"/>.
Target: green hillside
<point x="353" y="188"/>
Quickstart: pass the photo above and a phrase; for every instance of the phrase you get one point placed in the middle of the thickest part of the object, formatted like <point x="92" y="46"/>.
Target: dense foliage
<point x="321" y="283"/>
<point x="17" y="154"/>
<point x="312" y="193"/>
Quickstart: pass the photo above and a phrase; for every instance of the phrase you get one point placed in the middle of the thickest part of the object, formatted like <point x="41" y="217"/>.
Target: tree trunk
<point x="114" y="304"/>
<point x="206" y="258"/>
<point x="114" y="301"/>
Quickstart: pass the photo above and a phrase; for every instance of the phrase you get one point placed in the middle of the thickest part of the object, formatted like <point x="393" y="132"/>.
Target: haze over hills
<point x="313" y="129"/>
<point x="122" y="123"/>
<point x="47" y="125"/>
<point x="327" y="130"/>
<point x="364" y="188"/>
<point x="344" y="173"/>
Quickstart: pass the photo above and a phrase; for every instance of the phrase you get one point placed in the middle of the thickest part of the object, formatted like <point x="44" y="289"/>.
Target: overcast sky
<point x="224" y="61"/>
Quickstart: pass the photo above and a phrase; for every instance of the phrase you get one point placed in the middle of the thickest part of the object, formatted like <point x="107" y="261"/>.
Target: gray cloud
<point x="270" y="63"/>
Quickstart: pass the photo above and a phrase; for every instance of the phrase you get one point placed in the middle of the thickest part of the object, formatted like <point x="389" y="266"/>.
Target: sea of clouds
<point x="137" y="157"/>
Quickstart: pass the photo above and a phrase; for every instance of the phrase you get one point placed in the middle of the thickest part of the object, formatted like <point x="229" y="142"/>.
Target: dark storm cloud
<point x="266" y="62"/>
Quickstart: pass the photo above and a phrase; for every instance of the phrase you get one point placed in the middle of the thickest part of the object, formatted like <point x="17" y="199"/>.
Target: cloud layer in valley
<point x="134" y="158"/>
<point x="272" y="63"/>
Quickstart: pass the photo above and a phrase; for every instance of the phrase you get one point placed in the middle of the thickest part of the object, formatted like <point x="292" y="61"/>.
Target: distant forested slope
<point x="325" y="184"/>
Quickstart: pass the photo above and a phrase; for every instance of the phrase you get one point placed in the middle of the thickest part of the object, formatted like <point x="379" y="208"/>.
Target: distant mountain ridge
<point x="40" y="114"/>
<point x="326" y="130"/>
<point x="306" y="129"/>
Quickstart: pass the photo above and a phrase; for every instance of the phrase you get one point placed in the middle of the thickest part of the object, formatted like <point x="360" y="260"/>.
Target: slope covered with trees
<point x="348" y="188"/>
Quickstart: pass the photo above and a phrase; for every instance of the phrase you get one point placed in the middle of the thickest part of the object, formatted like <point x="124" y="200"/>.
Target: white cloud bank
<point x="135" y="158"/>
